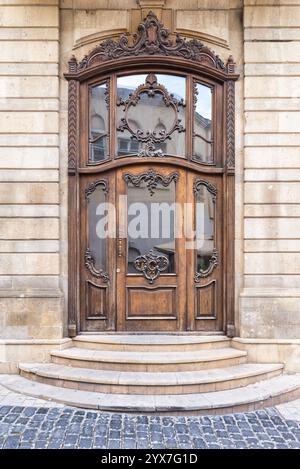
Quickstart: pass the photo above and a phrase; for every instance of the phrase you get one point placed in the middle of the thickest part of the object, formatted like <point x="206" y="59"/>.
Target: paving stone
<point x="41" y="444"/>
<point x="129" y="443"/>
<point x="114" y="444"/>
<point x="43" y="427"/>
<point x="85" y="443"/>
<point x="55" y="444"/>
<point x="12" y="442"/>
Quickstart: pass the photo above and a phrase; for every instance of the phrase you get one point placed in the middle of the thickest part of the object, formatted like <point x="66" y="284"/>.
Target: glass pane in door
<point x="205" y="226"/>
<point x="202" y="134"/>
<point x="151" y="226"/>
<point x="151" y="113"/>
<point x="97" y="225"/>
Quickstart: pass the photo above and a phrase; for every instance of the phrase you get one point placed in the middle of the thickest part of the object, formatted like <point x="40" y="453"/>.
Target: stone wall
<point x="270" y="300"/>
<point x="37" y="39"/>
<point x="30" y="296"/>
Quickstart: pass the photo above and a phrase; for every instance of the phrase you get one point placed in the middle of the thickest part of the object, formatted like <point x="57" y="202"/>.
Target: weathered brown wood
<point x="173" y="302"/>
<point x="72" y="203"/>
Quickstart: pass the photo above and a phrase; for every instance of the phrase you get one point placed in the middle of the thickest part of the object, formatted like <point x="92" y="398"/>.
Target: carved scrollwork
<point x="195" y="94"/>
<point x="151" y="38"/>
<point x="150" y="150"/>
<point x="214" y="258"/>
<point x="198" y="183"/>
<point x="72" y="126"/>
<point x="151" y="265"/>
<point x="152" y="178"/>
<point x="213" y="262"/>
<point x="230" y="160"/>
<point x="93" y="186"/>
<point x="89" y="262"/>
<point x="107" y="93"/>
<point x="151" y="137"/>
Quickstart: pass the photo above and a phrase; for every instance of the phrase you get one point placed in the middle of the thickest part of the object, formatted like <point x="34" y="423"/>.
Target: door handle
<point x="120" y="246"/>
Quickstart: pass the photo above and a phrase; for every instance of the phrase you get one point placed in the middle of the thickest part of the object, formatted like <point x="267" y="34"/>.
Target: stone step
<point x="149" y="361"/>
<point x="265" y="393"/>
<point x="153" y="343"/>
<point x="107" y="381"/>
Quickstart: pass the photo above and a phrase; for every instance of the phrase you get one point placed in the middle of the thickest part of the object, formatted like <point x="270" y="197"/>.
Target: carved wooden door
<point x="151" y="186"/>
<point x="151" y="266"/>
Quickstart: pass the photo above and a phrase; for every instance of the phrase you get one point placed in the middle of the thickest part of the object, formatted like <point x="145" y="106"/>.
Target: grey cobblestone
<point x="64" y="427"/>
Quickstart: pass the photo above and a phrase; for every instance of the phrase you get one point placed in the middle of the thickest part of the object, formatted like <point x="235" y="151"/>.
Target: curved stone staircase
<point x="155" y="374"/>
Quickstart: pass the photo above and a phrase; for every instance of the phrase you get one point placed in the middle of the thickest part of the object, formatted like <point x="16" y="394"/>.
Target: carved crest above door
<point x="151" y="38"/>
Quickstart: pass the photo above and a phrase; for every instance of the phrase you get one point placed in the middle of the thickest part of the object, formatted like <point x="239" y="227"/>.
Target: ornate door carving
<point x="151" y="118"/>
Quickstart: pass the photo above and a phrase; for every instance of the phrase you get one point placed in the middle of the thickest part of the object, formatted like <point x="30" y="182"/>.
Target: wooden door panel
<point x="204" y="284"/>
<point x="97" y="257"/>
<point x="151" y="299"/>
<point x="121" y="297"/>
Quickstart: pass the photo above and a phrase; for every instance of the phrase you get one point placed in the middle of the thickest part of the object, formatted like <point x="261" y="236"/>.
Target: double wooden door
<point x="151" y="250"/>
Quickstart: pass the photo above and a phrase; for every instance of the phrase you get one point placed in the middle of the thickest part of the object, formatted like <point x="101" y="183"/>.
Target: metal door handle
<point x="120" y="245"/>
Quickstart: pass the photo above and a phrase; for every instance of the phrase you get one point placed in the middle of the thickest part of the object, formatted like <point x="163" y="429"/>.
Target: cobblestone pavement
<point x="64" y="427"/>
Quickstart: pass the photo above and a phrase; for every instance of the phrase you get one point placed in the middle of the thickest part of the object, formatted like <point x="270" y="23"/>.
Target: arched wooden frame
<point x="151" y="48"/>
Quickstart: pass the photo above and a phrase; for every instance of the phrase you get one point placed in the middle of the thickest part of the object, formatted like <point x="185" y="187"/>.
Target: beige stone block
<point x="272" y="245"/>
<point x="213" y="22"/>
<point x="32" y="317"/>
<point x="29" y="264"/>
<point x="26" y="158"/>
<point x="29" y="2"/>
<point x="33" y="122"/>
<point x="271" y="317"/>
<point x="271" y="175"/>
<point x="272" y="121"/>
<point x="272" y="16"/>
<point x="29" y="228"/>
<point x="272" y="34"/>
<point x="262" y="69"/>
<point x="29" y="16"/>
<point x="23" y="175"/>
<point x="92" y="5"/>
<point x="41" y="332"/>
<point x="272" y="210"/>
<point x="41" y="210"/>
<point x="272" y="51"/>
<point x="272" y="104"/>
<point x="280" y="87"/>
<point x="29" y="87"/>
<point x="272" y="192"/>
<point x="5" y="282"/>
<point x="29" y="34"/>
<point x="88" y="22"/>
<point x="272" y="281"/>
<point x="29" y="193"/>
<point x="29" y="51"/>
<point x="271" y="2"/>
<point x="273" y="263"/>
<point x="29" y="246"/>
<point x="272" y="157"/>
<point x="26" y="69"/>
<point x="268" y="140"/>
<point x="31" y="282"/>
<point x="29" y="104"/>
<point x="204" y="4"/>
<point x="29" y="140"/>
<point x="270" y="228"/>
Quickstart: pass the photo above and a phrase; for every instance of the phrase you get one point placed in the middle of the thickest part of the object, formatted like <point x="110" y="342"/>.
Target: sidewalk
<point x="34" y="423"/>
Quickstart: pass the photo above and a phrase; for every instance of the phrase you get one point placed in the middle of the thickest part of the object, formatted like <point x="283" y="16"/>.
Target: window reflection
<point x="205" y="227"/>
<point x="99" y="125"/>
<point x="151" y="223"/>
<point x="97" y="241"/>
<point x="151" y="114"/>
<point x="203" y="137"/>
